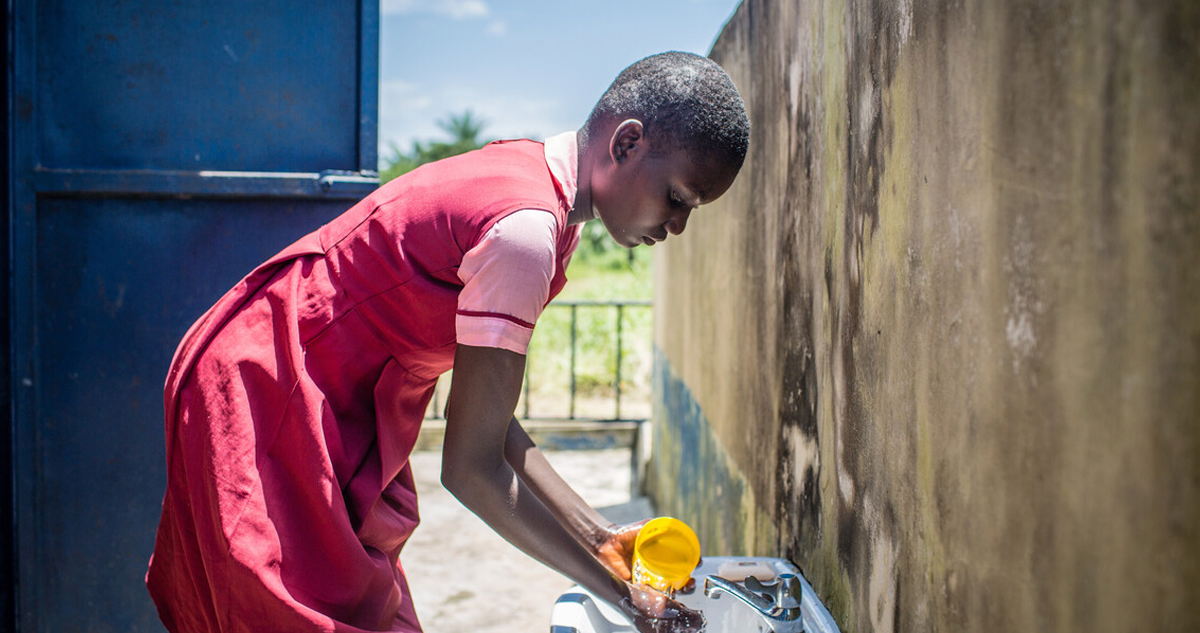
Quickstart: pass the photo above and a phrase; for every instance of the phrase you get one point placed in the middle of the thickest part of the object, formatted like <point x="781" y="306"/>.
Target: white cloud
<point x="454" y="9"/>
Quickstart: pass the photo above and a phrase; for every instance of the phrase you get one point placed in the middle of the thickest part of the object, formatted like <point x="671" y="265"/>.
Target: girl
<point x="293" y="403"/>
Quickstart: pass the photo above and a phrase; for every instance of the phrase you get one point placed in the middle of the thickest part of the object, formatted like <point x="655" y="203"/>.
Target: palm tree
<point x="464" y="130"/>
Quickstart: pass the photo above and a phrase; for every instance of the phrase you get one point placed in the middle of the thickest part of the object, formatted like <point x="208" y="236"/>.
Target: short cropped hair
<point x="685" y="99"/>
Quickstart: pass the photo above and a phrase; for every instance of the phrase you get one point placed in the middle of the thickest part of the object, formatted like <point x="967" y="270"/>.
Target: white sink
<point x="734" y="594"/>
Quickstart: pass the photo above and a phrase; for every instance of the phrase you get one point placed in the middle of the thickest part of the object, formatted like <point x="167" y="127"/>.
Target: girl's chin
<point x="627" y="240"/>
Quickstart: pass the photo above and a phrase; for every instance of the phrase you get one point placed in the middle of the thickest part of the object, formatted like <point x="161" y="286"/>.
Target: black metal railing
<point x="621" y="346"/>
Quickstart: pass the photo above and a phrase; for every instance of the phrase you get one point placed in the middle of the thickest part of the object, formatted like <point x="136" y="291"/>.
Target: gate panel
<point x="160" y="152"/>
<point x="119" y="281"/>
<point x="232" y="86"/>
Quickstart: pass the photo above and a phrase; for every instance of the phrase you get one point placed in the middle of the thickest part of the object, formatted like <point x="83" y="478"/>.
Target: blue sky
<point x="525" y="67"/>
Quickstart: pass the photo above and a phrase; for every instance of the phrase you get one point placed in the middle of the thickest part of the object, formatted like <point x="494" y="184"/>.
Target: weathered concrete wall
<point x="940" y="345"/>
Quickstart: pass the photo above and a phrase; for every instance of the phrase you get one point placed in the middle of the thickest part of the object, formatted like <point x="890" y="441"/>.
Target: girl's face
<point x="642" y="198"/>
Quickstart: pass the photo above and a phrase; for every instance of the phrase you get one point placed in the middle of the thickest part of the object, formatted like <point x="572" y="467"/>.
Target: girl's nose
<point x="678" y="222"/>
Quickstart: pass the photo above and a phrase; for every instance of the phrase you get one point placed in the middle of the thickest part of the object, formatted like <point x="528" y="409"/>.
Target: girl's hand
<point x="653" y="612"/>
<point x="614" y="548"/>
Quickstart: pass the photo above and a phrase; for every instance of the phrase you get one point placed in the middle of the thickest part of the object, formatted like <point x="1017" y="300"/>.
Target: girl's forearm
<point x="498" y="496"/>
<point x="586" y="524"/>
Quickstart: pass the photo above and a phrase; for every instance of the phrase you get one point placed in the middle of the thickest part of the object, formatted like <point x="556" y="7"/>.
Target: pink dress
<point x="292" y="405"/>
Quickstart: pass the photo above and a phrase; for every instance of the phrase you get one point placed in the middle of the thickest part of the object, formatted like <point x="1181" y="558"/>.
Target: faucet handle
<point x="788" y="592"/>
<point x="785" y="592"/>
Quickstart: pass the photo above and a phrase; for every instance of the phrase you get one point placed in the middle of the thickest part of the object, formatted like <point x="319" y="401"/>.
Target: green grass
<point x="609" y="275"/>
<point x="595" y="275"/>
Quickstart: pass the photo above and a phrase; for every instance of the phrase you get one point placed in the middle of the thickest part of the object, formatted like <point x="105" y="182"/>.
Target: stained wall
<point x="940" y="344"/>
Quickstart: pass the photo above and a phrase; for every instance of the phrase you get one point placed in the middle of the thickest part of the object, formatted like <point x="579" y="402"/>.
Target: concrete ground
<point x="466" y="579"/>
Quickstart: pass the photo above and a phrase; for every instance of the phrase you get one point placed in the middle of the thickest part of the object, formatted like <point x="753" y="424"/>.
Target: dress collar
<point x="562" y="157"/>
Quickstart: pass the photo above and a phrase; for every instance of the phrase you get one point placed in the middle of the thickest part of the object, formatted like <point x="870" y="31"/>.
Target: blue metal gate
<point x="159" y="151"/>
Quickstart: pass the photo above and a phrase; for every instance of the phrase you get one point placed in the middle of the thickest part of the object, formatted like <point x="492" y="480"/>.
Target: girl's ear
<point x="626" y="139"/>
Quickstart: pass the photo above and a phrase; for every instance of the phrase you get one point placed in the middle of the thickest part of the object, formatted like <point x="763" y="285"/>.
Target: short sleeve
<point x="506" y="281"/>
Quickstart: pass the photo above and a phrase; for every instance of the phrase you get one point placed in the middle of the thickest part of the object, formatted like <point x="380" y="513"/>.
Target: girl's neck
<point x="583" y="210"/>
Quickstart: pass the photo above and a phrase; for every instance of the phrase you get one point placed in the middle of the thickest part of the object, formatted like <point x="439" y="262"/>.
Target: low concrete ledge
<point x="556" y="435"/>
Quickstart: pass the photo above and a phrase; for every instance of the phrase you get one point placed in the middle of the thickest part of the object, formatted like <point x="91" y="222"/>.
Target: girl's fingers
<point x="652" y="611"/>
<point x="615" y="551"/>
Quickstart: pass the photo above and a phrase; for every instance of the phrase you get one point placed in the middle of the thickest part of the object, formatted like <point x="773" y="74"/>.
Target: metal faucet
<point x="778" y="601"/>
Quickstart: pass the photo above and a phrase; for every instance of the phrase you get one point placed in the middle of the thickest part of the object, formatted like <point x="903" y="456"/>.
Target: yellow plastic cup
<point x="665" y="554"/>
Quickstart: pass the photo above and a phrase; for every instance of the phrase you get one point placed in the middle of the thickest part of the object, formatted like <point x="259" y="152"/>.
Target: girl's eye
<point x="676" y="201"/>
